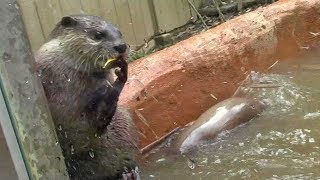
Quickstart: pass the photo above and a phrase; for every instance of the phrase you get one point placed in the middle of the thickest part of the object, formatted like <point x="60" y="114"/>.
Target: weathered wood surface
<point x="137" y="19"/>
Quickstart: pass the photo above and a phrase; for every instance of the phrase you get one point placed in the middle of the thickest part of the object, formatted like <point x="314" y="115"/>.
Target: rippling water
<point x="283" y="143"/>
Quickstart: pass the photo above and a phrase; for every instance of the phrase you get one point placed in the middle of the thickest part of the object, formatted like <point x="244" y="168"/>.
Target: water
<point x="283" y="143"/>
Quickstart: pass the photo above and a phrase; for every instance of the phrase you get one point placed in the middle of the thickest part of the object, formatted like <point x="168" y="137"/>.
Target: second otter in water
<point x="97" y="137"/>
<point x="223" y="116"/>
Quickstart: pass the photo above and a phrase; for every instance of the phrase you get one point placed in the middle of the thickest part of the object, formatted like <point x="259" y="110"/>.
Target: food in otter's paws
<point x="108" y="62"/>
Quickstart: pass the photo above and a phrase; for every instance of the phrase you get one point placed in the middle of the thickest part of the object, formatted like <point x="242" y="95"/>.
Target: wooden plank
<point x="32" y="23"/>
<point x="197" y="4"/>
<point x="109" y="11"/>
<point x="91" y="7"/>
<point x="148" y="17"/>
<point x="183" y="11"/>
<point x="138" y="21"/>
<point x="125" y="22"/>
<point x="49" y="13"/>
<point x="69" y="7"/>
<point x="166" y="15"/>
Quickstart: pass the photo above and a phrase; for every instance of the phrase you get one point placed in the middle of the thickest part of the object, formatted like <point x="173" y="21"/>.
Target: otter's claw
<point x="122" y="73"/>
<point x="133" y="175"/>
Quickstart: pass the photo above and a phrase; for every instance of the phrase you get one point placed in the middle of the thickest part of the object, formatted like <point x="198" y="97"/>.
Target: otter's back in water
<point x="223" y="116"/>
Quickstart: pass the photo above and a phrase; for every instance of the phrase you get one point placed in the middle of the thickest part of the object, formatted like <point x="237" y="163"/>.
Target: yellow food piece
<point x="108" y="62"/>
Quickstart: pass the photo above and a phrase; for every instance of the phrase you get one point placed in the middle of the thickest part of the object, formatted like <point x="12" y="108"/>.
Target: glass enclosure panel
<point x="25" y="101"/>
<point x="7" y="170"/>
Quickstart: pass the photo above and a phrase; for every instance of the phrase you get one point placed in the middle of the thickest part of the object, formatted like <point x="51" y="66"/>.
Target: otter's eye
<point x="99" y="35"/>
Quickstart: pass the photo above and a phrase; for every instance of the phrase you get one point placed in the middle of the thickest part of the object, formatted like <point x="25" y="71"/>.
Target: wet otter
<point x="223" y="116"/>
<point x="96" y="135"/>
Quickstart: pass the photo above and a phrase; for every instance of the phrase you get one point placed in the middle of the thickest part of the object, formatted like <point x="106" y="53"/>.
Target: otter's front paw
<point x="122" y="73"/>
<point x="131" y="175"/>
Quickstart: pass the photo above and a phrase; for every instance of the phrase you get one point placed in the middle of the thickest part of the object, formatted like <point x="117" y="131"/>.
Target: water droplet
<point x="259" y="135"/>
<point x="218" y="161"/>
<point x="57" y="143"/>
<point x="205" y="161"/>
<point x="60" y="127"/>
<point x="29" y="98"/>
<point x="125" y="169"/>
<point x="6" y="57"/>
<point x="311" y="140"/>
<point x="191" y="164"/>
<point x="91" y="154"/>
<point x="307" y="130"/>
<point x="72" y="149"/>
<point x="51" y="82"/>
<point x="69" y="80"/>
<point x="97" y="136"/>
<point x="27" y="82"/>
<point x="136" y="169"/>
<point x="161" y="160"/>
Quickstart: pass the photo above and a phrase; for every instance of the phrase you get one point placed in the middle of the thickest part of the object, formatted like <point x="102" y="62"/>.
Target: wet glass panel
<point x="25" y="101"/>
<point x="7" y="170"/>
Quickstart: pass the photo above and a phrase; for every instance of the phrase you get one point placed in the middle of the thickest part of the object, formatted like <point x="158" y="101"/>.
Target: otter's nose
<point x="121" y="48"/>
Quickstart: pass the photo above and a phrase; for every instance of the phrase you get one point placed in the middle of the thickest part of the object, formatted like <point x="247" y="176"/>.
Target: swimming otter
<point x="97" y="136"/>
<point x="225" y="115"/>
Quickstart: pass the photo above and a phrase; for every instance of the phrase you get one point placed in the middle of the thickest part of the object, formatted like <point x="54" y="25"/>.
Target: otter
<point x="225" y="115"/>
<point x="97" y="137"/>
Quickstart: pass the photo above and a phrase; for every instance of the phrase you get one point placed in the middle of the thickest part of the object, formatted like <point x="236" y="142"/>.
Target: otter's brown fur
<point x="97" y="137"/>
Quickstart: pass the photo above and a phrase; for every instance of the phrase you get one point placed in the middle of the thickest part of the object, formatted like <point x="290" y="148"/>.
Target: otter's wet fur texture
<point x="97" y="137"/>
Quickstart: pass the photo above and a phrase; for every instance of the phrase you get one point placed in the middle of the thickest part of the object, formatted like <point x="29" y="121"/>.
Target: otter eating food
<point x="97" y="137"/>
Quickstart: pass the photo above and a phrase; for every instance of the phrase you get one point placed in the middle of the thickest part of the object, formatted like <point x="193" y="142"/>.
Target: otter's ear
<point x="68" y="21"/>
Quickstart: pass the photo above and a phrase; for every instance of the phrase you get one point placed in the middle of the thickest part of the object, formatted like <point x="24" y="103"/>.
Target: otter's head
<point x="89" y="41"/>
<point x="258" y="105"/>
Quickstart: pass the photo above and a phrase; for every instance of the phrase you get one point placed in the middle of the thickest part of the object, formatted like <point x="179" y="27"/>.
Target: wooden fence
<point x="137" y="19"/>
